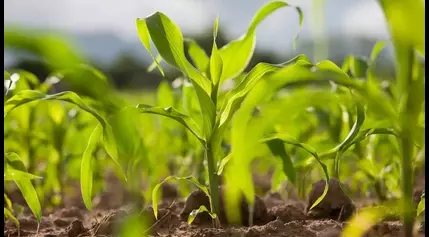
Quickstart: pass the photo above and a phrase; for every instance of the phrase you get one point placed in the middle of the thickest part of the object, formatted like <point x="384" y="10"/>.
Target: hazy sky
<point x="344" y="17"/>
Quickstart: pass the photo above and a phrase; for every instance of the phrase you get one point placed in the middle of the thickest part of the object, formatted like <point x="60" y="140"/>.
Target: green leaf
<point x="215" y="59"/>
<point x="367" y="217"/>
<point x="358" y="66"/>
<point x="368" y="132"/>
<point x="144" y="36"/>
<point x="56" y="49"/>
<point x="289" y="140"/>
<point x="8" y="202"/>
<point x="195" y="212"/>
<point x="198" y="55"/>
<point x="25" y="186"/>
<point x="277" y="148"/>
<point x="190" y="179"/>
<point x="421" y="205"/>
<point x="173" y="114"/>
<point x="236" y="55"/>
<point x="222" y="164"/>
<point x="360" y="118"/>
<point x="8" y="214"/>
<point x="406" y="21"/>
<point x="156" y="63"/>
<point x="86" y="168"/>
<point x="170" y="45"/>
<point x="12" y="174"/>
<point x="378" y="47"/>
<point x="235" y="97"/>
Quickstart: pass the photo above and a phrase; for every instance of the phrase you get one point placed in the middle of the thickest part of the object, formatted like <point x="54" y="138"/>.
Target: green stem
<point x="407" y="185"/>
<point x="406" y="144"/>
<point x="213" y="182"/>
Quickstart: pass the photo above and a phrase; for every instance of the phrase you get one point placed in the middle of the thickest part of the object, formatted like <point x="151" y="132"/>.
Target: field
<point x="298" y="148"/>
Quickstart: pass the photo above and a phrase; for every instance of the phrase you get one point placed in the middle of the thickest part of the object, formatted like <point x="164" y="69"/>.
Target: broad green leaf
<point x="57" y="50"/>
<point x="215" y="60"/>
<point x="86" y="169"/>
<point x="303" y="72"/>
<point x="8" y="214"/>
<point x="208" y="111"/>
<point x="236" y="55"/>
<point x="406" y="22"/>
<point x="195" y="212"/>
<point x="170" y="45"/>
<point x="289" y="140"/>
<point x="277" y="148"/>
<point x="235" y="97"/>
<point x="173" y="114"/>
<point x="198" y="55"/>
<point x="12" y="174"/>
<point x="25" y="186"/>
<point x="366" y="218"/>
<point x="144" y="36"/>
<point x="190" y="179"/>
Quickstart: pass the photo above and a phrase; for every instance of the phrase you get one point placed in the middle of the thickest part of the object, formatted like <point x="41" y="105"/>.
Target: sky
<point x="341" y="17"/>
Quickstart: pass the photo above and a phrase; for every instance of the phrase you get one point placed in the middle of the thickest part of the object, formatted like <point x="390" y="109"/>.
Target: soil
<point x="273" y="217"/>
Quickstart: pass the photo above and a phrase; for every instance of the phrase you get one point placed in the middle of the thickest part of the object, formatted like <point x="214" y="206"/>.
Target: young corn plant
<point x="103" y="128"/>
<point x="15" y="170"/>
<point x="406" y="26"/>
<point x="207" y="76"/>
<point x="366" y="94"/>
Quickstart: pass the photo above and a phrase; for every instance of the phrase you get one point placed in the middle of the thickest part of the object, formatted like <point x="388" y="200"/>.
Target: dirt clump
<point x="287" y="213"/>
<point x="76" y="228"/>
<point x="335" y="205"/>
<point x="199" y="198"/>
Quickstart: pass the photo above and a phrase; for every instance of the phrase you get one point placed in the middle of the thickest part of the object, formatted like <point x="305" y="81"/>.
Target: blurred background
<point x="105" y="32"/>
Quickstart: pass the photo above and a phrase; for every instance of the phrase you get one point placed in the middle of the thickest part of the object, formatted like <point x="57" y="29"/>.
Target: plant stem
<point x="213" y="181"/>
<point x="407" y="188"/>
<point x="407" y="123"/>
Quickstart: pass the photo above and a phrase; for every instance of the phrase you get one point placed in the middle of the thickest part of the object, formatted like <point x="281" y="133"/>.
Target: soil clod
<point x="75" y="229"/>
<point x="335" y="205"/>
<point x="287" y="213"/>
<point x="199" y="198"/>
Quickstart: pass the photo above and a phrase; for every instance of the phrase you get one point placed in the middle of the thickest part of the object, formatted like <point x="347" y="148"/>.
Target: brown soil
<point x="274" y="217"/>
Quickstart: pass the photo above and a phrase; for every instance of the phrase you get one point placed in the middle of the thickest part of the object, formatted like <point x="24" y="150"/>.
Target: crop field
<point x="298" y="148"/>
